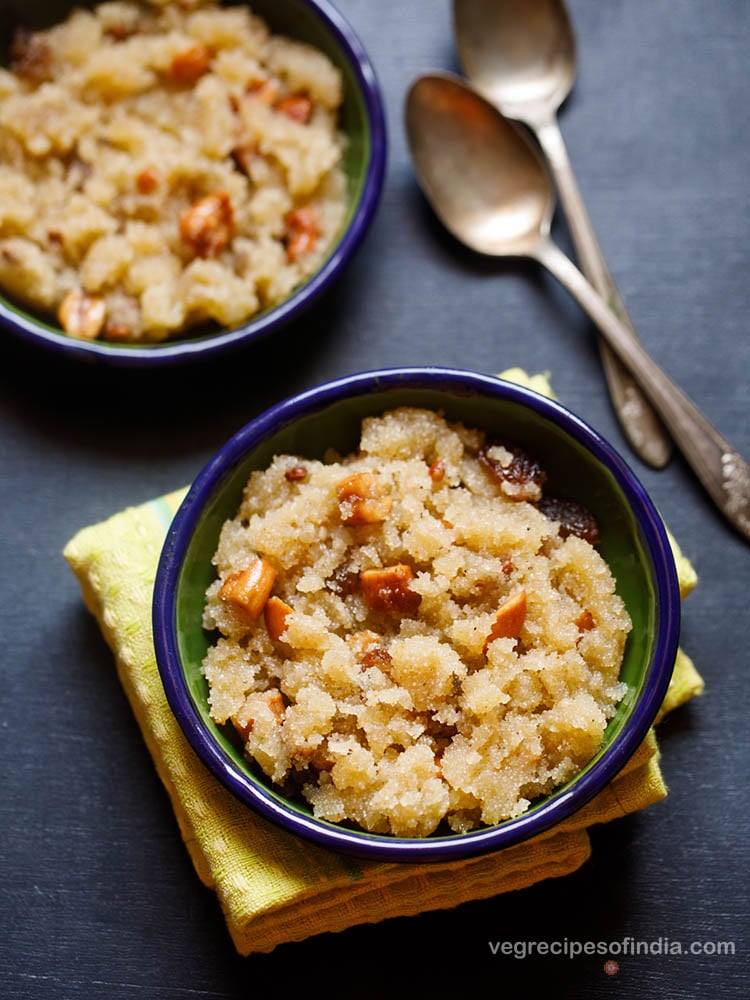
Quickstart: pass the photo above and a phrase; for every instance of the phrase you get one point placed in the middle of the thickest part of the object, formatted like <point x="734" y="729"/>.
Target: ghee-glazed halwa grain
<point x="405" y="637"/>
<point x="165" y="164"/>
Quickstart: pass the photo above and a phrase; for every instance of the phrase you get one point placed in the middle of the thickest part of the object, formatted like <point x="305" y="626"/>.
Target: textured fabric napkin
<point x="273" y="887"/>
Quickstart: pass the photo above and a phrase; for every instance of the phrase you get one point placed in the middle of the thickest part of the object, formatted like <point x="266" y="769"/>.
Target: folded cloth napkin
<point x="272" y="886"/>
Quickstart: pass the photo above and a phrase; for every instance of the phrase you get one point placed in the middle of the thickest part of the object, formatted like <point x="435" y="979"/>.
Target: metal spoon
<point x="491" y="189"/>
<point x="521" y="56"/>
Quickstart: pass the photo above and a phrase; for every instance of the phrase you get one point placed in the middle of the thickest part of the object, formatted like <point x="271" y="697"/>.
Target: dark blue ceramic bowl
<point x="579" y="464"/>
<point x="363" y="122"/>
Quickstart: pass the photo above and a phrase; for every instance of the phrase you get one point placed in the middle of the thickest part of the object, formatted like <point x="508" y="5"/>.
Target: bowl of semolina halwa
<point x="179" y="177"/>
<point x="416" y="614"/>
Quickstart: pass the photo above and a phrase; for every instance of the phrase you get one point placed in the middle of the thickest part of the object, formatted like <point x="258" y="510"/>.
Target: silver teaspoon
<point x="491" y="189"/>
<point x="521" y="56"/>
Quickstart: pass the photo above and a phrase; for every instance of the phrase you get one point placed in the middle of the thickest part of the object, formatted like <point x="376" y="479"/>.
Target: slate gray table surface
<point x="98" y="897"/>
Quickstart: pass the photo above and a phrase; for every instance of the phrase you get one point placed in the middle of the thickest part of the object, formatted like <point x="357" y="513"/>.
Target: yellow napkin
<point x="273" y="887"/>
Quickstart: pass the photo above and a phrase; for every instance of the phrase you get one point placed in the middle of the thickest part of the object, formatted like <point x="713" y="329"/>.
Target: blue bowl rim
<point x="560" y="805"/>
<point x="220" y="343"/>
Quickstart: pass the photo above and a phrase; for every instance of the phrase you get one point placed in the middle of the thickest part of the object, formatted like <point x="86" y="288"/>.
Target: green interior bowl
<point x="362" y="120"/>
<point x="579" y="465"/>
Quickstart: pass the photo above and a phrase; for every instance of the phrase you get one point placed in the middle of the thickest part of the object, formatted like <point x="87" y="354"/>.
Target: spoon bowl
<point x="521" y="56"/>
<point x="490" y="188"/>
<point x="533" y="70"/>
<point x="482" y="175"/>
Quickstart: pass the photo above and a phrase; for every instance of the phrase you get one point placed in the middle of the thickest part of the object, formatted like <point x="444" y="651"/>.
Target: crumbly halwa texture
<point x="164" y="165"/>
<point x="406" y="638"/>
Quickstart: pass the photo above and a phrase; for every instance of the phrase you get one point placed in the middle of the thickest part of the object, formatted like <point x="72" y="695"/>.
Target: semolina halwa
<point x="406" y="638"/>
<point x="164" y="165"/>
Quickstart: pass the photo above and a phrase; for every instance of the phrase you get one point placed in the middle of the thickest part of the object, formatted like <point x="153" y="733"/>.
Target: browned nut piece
<point x="315" y="757"/>
<point x="388" y="590"/>
<point x="509" y="619"/>
<point x="244" y="729"/>
<point x="275" y="615"/>
<point x="82" y="315"/>
<point x="585" y="621"/>
<point x="208" y="225"/>
<point x="276" y="703"/>
<point x="249" y="589"/>
<point x="303" y="231"/>
<point x="362" y="499"/>
<point x="298" y="107"/>
<point x="190" y="64"/>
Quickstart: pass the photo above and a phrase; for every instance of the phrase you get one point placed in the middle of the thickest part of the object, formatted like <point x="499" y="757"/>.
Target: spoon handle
<point x="723" y="472"/>
<point x="640" y="424"/>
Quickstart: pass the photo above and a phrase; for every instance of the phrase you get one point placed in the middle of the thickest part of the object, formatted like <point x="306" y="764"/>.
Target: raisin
<point x="376" y="656"/>
<point x="574" y="518"/>
<point x="295" y="474"/>
<point x="342" y="582"/>
<point x="522" y="477"/>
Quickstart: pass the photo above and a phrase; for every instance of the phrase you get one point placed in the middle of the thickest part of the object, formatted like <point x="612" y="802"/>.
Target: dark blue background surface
<point x="98" y="896"/>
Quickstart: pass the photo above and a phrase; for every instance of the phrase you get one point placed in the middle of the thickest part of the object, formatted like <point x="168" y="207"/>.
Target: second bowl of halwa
<point x="180" y="178"/>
